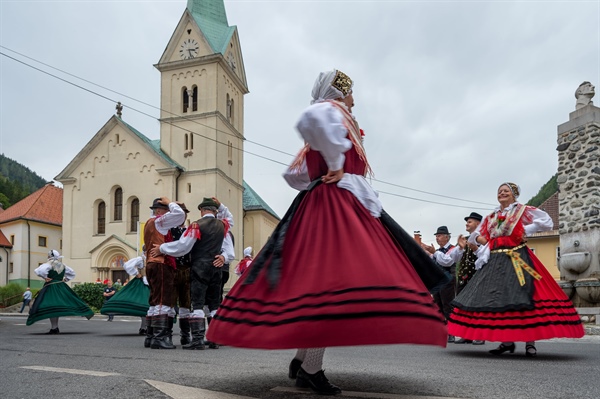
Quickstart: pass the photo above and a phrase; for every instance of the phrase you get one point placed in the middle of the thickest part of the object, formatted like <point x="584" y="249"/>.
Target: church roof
<point x="253" y="202"/>
<point x="45" y="206"/>
<point x="153" y="144"/>
<point x="212" y="20"/>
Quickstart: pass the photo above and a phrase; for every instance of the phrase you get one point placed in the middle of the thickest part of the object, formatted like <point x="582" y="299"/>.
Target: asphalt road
<point x="99" y="359"/>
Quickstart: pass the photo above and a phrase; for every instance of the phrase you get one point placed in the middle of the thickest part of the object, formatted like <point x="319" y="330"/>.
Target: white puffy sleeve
<point x="69" y="273"/>
<point x="43" y="269"/>
<point x="540" y="221"/>
<point x="321" y="127"/>
<point x="224" y="214"/>
<point x="133" y="265"/>
<point x="175" y="217"/>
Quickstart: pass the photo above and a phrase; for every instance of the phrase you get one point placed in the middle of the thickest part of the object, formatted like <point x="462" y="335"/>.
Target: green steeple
<point x="212" y="20"/>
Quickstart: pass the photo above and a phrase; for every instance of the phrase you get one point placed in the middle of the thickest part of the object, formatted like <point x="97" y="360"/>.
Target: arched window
<point x="231" y="111"/>
<point x="191" y="141"/>
<point x="186" y="99"/>
<point x="101" y="218"/>
<point x="195" y="98"/>
<point x="227" y="108"/>
<point x="135" y="214"/>
<point x="118" y="204"/>
<point x="187" y="147"/>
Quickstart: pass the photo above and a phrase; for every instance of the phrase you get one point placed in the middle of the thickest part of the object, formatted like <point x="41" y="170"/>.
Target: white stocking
<point x="313" y="360"/>
<point x="54" y="322"/>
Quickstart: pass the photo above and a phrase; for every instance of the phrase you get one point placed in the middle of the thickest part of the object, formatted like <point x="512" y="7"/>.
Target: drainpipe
<point x="7" y="263"/>
<point x="28" y="254"/>
<point x="179" y="172"/>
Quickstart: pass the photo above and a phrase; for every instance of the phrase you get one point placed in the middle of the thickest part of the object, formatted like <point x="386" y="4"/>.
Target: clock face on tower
<point x="189" y="49"/>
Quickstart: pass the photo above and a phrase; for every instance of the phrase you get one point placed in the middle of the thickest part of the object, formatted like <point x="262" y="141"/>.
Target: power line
<point x="209" y="127"/>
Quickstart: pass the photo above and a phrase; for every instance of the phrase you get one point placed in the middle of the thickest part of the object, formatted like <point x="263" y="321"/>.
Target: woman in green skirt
<point x="131" y="299"/>
<point x="56" y="298"/>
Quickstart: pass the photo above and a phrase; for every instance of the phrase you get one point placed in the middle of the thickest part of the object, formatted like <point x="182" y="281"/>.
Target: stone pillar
<point x="579" y="201"/>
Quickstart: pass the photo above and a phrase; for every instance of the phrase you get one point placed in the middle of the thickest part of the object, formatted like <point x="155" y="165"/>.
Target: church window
<point x="191" y="141"/>
<point x="186" y="99"/>
<point x="227" y="109"/>
<point x="101" y="218"/>
<point x="118" y="204"/>
<point x="187" y="147"/>
<point x="230" y="152"/>
<point x="117" y="138"/>
<point x="189" y="187"/>
<point x="135" y="215"/>
<point x="231" y="111"/>
<point x="195" y="98"/>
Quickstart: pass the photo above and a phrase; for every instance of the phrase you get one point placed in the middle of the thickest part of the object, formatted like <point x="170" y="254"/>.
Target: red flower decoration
<point x="362" y="133"/>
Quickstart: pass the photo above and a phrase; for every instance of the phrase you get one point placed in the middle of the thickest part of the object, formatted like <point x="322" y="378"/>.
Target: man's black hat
<point x="157" y="204"/>
<point x="474" y="215"/>
<point x="442" y="230"/>
<point x="208" y="202"/>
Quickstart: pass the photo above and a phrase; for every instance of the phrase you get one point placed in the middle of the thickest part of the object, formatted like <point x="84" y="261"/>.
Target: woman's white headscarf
<point x="331" y="85"/>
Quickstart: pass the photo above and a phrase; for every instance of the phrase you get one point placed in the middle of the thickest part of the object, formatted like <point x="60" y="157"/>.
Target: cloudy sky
<point x="455" y="97"/>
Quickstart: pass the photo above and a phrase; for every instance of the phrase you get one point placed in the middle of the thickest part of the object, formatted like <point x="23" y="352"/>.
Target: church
<point x="111" y="183"/>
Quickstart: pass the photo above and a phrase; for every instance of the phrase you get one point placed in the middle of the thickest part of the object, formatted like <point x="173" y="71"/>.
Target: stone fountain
<point x="579" y="200"/>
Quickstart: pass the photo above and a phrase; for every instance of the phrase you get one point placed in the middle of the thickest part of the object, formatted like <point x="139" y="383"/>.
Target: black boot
<point x="149" y="332"/>
<point x="163" y="328"/>
<point x="198" y="329"/>
<point x="211" y="345"/>
<point x="184" y="331"/>
<point x="317" y="382"/>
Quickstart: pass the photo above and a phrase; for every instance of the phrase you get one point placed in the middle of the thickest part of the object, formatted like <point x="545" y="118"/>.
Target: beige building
<point x="546" y="245"/>
<point x="28" y="231"/>
<point x="110" y="184"/>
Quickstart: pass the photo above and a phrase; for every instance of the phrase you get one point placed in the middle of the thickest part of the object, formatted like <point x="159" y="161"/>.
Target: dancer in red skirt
<point x="337" y="270"/>
<point x="513" y="297"/>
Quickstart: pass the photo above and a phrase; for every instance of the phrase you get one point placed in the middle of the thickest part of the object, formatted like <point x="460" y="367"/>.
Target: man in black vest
<point x="204" y="241"/>
<point x="443" y="258"/>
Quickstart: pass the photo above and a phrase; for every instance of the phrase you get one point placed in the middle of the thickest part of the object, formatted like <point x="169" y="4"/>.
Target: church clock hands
<point x="189" y="49"/>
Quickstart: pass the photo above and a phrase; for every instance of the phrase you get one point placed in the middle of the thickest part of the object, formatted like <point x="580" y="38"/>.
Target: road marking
<point x="182" y="392"/>
<point x="69" y="371"/>
<point x="354" y="394"/>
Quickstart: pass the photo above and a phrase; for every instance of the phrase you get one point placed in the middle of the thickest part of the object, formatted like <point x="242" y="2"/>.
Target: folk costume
<point x="56" y="298"/>
<point x="244" y="264"/>
<point x="513" y="297"/>
<point x="131" y="299"/>
<point x="331" y="274"/>
<point x="160" y="272"/>
<point x="203" y="240"/>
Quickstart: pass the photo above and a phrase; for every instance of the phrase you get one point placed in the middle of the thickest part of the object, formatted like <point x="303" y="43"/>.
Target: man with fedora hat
<point x="160" y="272"/>
<point x="203" y="239"/>
<point x="465" y="255"/>
<point x="442" y="257"/>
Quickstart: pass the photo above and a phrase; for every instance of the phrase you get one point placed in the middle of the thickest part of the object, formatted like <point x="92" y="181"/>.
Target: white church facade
<point x="111" y="183"/>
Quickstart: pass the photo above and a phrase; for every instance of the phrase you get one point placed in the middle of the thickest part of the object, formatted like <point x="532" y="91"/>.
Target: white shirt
<point x="45" y="268"/>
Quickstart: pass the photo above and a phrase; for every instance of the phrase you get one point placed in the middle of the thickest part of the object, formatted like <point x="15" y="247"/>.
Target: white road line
<point x="69" y="371"/>
<point x="354" y="394"/>
<point x="182" y="392"/>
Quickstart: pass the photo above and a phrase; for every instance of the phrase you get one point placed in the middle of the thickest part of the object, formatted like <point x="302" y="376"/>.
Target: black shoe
<point x="530" y="351"/>
<point x="212" y="345"/>
<point x="503" y="348"/>
<point x="142" y="331"/>
<point x="294" y="367"/>
<point x="53" y="331"/>
<point x="450" y="338"/>
<point x="463" y="341"/>
<point x="317" y="382"/>
<point x="478" y="342"/>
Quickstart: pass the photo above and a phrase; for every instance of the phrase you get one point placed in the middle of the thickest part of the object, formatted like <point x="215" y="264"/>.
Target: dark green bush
<point x="90" y="293"/>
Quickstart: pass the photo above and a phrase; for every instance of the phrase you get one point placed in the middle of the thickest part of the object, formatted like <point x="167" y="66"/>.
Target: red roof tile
<point x="4" y="241"/>
<point x="45" y="205"/>
<point x="550" y="206"/>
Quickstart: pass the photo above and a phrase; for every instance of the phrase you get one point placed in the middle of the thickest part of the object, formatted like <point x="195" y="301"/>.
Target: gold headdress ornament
<point x="342" y="82"/>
